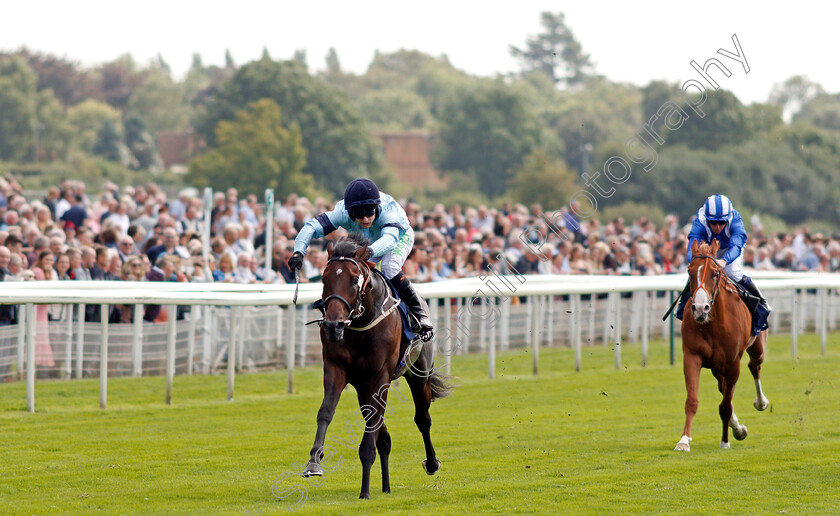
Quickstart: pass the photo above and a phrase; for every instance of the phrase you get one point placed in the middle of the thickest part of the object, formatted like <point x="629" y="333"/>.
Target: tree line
<point x="526" y="137"/>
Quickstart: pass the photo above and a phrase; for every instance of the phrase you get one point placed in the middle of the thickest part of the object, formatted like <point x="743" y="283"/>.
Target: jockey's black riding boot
<point x="415" y="305"/>
<point x="751" y="287"/>
<point x="683" y="300"/>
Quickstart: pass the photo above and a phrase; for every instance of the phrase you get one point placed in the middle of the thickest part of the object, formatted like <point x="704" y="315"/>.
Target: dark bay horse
<point x="361" y="337"/>
<point x="716" y="336"/>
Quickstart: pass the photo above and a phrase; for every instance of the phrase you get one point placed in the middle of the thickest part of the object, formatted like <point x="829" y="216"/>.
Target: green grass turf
<point x="595" y="441"/>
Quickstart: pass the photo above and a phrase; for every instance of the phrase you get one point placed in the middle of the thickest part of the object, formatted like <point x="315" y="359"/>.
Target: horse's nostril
<point x="693" y="307"/>
<point x="706" y="308"/>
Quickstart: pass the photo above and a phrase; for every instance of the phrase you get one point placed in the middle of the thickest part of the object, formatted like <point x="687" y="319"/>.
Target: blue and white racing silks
<point x="385" y="232"/>
<point x="732" y="238"/>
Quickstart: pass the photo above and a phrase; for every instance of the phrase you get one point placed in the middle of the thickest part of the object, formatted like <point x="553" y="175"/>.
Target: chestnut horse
<point x="715" y="337"/>
<point x="362" y="340"/>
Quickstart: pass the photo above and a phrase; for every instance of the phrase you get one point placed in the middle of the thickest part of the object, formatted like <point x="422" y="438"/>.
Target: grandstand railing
<point x="229" y="328"/>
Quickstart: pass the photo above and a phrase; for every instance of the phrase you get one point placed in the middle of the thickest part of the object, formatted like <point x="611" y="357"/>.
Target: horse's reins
<point x="703" y="280"/>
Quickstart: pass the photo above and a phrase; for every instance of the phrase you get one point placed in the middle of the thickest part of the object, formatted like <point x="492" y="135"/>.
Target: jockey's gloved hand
<point x="296" y="261"/>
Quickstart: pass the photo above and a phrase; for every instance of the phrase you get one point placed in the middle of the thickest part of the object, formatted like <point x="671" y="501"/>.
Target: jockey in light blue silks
<point x="717" y="220"/>
<point x="380" y="218"/>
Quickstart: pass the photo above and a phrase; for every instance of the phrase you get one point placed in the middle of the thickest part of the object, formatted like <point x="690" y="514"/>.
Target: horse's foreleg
<point x="421" y="392"/>
<point x="691" y="371"/>
<point x="727" y="414"/>
<point x="372" y="409"/>
<point x="756" y="352"/>
<point x="383" y="446"/>
<point x="334" y="383"/>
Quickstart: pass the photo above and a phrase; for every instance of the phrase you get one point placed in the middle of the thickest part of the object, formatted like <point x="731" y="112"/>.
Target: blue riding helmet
<point x="718" y="208"/>
<point x="361" y="197"/>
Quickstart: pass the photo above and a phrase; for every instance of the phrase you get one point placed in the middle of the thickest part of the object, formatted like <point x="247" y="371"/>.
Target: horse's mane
<point x="348" y="246"/>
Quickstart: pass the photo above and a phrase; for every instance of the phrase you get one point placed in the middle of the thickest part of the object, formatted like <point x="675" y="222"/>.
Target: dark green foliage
<point x="339" y="147"/>
<point x="488" y="129"/>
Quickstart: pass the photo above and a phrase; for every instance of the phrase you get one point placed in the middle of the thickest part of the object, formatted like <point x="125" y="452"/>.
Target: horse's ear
<point x="330" y="247"/>
<point x="695" y="247"/>
<point x="715" y="247"/>
<point x="363" y="254"/>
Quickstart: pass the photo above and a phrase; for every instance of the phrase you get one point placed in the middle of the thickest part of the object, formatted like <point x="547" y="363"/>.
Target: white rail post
<point x="794" y="322"/>
<point x="30" y="356"/>
<point x="549" y="338"/>
<point x="191" y="339"/>
<point x="492" y="352"/>
<point x="68" y="352"/>
<point x="137" y="342"/>
<point x="207" y="339"/>
<point x="290" y="352"/>
<point x="504" y="338"/>
<point x="618" y="330"/>
<point x="231" y="353"/>
<point x="645" y="324"/>
<point x="823" y="319"/>
<point x="576" y="307"/>
<point x="21" y="340"/>
<point x="535" y="333"/>
<point x="80" y="340"/>
<point x="103" y="356"/>
<point x="447" y="358"/>
<point x="608" y="311"/>
<point x="170" y="352"/>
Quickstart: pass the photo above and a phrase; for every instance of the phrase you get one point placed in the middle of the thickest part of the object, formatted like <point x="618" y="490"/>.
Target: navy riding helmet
<point x="361" y="198"/>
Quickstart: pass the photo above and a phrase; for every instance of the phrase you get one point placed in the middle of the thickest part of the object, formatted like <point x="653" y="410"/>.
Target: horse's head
<point x="704" y="275"/>
<point x="346" y="279"/>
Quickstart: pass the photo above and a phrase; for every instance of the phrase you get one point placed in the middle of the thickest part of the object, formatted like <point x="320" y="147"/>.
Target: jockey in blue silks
<point x="379" y="217"/>
<point x="717" y="220"/>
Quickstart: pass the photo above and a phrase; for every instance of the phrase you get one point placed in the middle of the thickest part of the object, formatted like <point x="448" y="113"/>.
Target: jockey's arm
<point x="737" y="240"/>
<point x="386" y="242"/>
<point x="317" y="227"/>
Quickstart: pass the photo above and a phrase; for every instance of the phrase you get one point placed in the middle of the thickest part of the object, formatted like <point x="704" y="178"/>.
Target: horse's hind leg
<point x="383" y="445"/>
<point x="756" y="352"/>
<point x="739" y="431"/>
<point x="691" y="370"/>
<point x="727" y="415"/>
<point x="421" y="392"/>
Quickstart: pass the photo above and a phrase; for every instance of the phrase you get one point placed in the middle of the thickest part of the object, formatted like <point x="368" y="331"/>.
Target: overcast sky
<point x="628" y="41"/>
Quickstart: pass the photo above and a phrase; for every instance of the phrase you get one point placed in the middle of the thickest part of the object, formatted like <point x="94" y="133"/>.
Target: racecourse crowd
<point x="139" y="234"/>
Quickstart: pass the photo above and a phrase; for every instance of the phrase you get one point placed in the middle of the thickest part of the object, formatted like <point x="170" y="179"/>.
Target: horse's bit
<point x="361" y="284"/>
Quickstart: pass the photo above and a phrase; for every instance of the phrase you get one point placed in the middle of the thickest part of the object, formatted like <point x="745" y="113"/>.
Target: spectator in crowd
<point x="8" y="313"/>
<point x="224" y="272"/>
<point x="43" y="270"/>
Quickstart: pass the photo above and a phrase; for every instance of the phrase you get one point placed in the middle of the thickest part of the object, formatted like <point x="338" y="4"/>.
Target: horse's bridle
<point x="703" y="280"/>
<point x="362" y="283"/>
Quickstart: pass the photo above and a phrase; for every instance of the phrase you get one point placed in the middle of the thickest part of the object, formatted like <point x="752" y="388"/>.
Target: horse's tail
<point x="441" y="387"/>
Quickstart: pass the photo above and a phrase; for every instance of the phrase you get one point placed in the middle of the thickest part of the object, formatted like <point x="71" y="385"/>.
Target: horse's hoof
<point x="312" y="470"/>
<point x="724" y="445"/>
<point x="684" y="444"/>
<point x="740" y="433"/>
<point x="364" y="496"/>
<point x="433" y="471"/>
<point x="761" y="403"/>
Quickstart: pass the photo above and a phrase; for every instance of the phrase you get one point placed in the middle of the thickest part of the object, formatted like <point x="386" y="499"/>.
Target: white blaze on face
<point x="701" y="297"/>
<point x="338" y="272"/>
